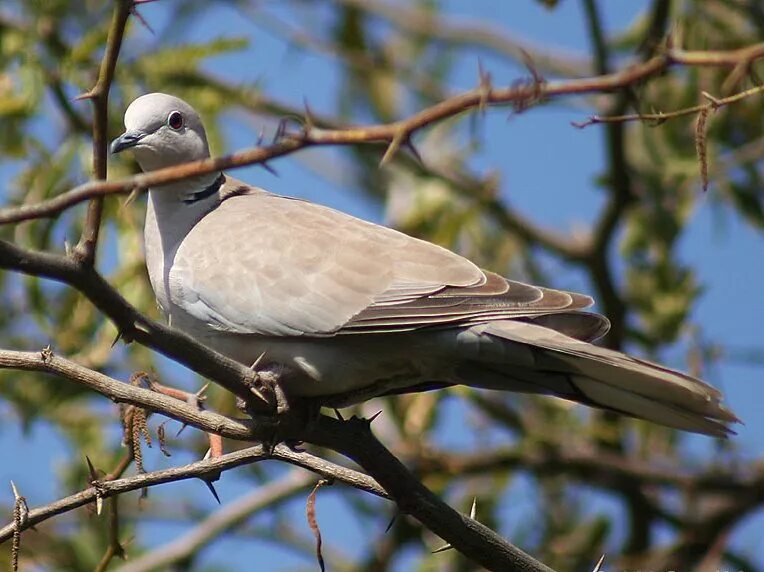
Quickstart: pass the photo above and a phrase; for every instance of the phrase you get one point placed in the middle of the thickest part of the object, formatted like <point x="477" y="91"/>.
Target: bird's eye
<point x="175" y="120"/>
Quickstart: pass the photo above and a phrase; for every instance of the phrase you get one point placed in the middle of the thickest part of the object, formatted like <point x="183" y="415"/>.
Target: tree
<point x="676" y="100"/>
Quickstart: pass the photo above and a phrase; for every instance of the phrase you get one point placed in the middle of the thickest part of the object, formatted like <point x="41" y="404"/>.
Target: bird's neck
<point x="187" y="191"/>
<point x="175" y="208"/>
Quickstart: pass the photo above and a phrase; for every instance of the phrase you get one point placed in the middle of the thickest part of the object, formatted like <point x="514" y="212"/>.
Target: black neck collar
<point x="206" y="192"/>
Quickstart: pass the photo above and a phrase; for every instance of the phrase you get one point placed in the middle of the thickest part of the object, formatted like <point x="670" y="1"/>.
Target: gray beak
<point x="125" y="141"/>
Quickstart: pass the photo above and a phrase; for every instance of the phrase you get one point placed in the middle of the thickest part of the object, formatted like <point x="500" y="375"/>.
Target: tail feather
<point x="597" y="376"/>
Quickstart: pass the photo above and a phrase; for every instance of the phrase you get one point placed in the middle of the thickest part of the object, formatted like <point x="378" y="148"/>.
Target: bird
<point x="345" y="310"/>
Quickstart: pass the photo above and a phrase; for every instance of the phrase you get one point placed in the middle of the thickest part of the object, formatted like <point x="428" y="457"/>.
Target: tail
<point x="531" y="358"/>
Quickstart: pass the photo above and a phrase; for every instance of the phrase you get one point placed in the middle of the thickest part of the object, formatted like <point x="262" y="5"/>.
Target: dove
<point x="346" y="310"/>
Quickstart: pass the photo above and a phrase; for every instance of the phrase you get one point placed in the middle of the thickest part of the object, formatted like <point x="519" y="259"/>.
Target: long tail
<point x="530" y="358"/>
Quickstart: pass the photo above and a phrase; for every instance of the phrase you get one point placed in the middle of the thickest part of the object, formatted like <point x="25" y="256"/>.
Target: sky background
<point x="547" y="168"/>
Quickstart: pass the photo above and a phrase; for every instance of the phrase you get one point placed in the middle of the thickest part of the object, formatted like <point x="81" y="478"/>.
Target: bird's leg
<point x="290" y="415"/>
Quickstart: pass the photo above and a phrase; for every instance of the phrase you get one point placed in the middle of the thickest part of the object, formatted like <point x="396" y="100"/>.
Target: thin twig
<point x="663" y="116"/>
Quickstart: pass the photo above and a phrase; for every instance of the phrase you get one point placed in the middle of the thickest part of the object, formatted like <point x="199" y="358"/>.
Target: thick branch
<point x="479" y="543"/>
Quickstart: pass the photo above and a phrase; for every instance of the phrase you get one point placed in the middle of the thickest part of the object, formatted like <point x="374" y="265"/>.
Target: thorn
<point x="46" y="354"/>
<point x="260" y="137"/>
<point x="309" y="120"/>
<point x="259" y="394"/>
<point x="140" y="326"/>
<point x="371" y="419"/>
<point x="280" y="130"/>
<point x="91" y="470"/>
<point x="392" y="522"/>
<point x="141" y="19"/>
<point x="207" y="455"/>
<point x="182" y="428"/>
<point x="338" y="414"/>
<point x="484" y="85"/>
<point x="392" y="149"/>
<point x="598" y="567"/>
<point x="20" y="506"/>
<point x="265" y="165"/>
<point x="85" y="95"/>
<point x="473" y="510"/>
<point x="16" y="495"/>
<point x="200" y="394"/>
<point x="714" y="101"/>
<point x="116" y="338"/>
<point x="442" y="549"/>
<point x="257" y="361"/>
<point x="131" y="197"/>
<point x="212" y="490"/>
<point x="538" y="80"/>
<point x="99" y="504"/>
<point x="68" y="250"/>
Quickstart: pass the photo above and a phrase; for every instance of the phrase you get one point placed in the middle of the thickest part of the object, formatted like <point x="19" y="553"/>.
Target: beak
<point x="125" y="141"/>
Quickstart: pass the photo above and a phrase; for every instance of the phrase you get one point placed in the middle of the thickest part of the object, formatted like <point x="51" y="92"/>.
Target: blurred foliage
<point x="50" y="52"/>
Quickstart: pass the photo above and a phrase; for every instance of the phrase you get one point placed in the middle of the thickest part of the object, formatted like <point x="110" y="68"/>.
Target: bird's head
<point x="162" y="130"/>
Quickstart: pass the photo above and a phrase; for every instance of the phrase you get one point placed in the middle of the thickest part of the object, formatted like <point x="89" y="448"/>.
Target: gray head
<point x="162" y="130"/>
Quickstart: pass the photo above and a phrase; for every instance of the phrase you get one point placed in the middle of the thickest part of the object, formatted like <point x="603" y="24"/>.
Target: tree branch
<point x="99" y="95"/>
<point x="522" y="95"/>
<point x="204" y="470"/>
<point x="120" y="392"/>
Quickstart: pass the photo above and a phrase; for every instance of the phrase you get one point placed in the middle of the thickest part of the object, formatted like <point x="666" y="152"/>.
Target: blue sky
<point x="543" y="162"/>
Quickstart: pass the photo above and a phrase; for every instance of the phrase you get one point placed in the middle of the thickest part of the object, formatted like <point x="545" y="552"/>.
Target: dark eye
<point x="175" y="120"/>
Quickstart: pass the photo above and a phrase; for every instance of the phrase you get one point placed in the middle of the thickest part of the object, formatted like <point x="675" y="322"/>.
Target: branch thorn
<point x="399" y="139"/>
<point x="46" y="354"/>
<point x="84" y="96"/>
<point x="92" y="471"/>
<point x="309" y="122"/>
<point x="257" y="361"/>
<point x="484" y="85"/>
<point x="392" y="522"/>
<point x="139" y="17"/>
<point x="212" y="489"/>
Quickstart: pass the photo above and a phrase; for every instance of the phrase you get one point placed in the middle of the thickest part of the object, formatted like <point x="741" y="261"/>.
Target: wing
<point x="265" y="264"/>
<point x="271" y="265"/>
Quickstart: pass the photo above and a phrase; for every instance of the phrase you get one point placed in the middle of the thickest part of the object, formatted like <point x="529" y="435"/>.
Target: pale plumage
<point x="352" y="310"/>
